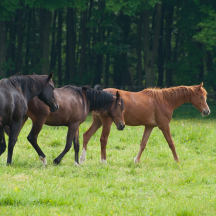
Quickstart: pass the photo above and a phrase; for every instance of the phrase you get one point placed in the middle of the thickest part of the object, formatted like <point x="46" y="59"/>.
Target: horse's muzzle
<point x="54" y="108"/>
<point x="121" y="126"/>
<point x="206" y="112"/>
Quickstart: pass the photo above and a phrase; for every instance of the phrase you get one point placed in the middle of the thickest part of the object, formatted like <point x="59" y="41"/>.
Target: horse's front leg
<point x="96" y="124"/>
<point x="2" y="141"/>
<point x="14" y="131"/>
<point x="166" y="132"/>
<point x="72" y="129"/>
<point x="143" y="144"/>
<point x="33" y="135"/>
<point x="106" y="122"/>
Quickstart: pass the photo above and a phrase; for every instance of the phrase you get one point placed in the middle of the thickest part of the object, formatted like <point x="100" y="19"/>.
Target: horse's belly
<point x="142" y="120"/>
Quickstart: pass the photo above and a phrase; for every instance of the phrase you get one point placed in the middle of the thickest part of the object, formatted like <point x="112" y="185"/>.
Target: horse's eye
<point x="201" y="97"/>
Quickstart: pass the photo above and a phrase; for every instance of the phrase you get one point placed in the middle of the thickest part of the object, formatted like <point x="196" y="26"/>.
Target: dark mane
<point x="99" y="100"/>
<point x="31" y="82"/>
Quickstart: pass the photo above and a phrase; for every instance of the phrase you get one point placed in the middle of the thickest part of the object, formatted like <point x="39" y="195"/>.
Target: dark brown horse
<point x="15" y="93"/>
<point x="152" y="108"/>
<point x="74" y="105"/>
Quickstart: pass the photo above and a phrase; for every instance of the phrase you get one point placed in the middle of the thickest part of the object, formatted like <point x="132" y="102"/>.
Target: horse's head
<point x="47" y="94"/>
<point x="198" y="99"/>
<point x="116" y="112"/>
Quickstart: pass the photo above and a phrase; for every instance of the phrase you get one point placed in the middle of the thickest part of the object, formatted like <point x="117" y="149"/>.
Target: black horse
<point x="15" y="93"/>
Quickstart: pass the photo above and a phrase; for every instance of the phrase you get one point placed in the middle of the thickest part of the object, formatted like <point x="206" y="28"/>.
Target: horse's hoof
<point x="83" y="156"/>
<point x="103" y="161"/>
<point x="44" y="161"/>
<point x="76" y="164"/>
<point x="56" y="162"/>
<point x="135" y="160"/>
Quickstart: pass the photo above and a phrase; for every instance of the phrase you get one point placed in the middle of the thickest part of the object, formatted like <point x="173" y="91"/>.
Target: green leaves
<point x="207" y="29"/>
<point x="129" y="7"/>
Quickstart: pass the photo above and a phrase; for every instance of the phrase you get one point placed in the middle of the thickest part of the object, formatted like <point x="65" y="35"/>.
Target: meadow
<point x="156" y="186"/>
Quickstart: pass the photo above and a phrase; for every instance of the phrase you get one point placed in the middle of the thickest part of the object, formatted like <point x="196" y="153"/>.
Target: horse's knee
<point x="103" y="141"/>
<point x="31" y="138"/>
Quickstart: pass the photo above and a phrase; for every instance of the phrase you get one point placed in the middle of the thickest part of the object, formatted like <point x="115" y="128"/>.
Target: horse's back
<point x="71" y="108"/>
<point x="140" y="109"/>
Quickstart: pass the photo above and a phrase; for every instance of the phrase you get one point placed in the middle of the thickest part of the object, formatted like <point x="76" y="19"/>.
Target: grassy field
<point x="156" y="186"/>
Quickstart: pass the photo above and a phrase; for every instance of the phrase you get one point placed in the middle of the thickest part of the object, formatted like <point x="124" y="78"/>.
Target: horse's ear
<point x="98" y="87"/>
<point x="50" y="76"/>
<point x="201" y="85"/>
<point x="84" y="88"/>
<point x="117" y="95"/>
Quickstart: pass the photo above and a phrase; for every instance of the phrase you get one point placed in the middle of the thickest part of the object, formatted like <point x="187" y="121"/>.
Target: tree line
<point x="128" y="44"/>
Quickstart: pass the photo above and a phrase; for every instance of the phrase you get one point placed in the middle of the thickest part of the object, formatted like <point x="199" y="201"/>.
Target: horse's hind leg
<point x="96" y="124"/>
<point x="2" y="141"/>
<point x="143" y="144"/>
<point x="167" y="135"/>
<point x="76" y="146"/>
<point x="33" y="135"/>
<point x="14" y="131"/>
<point x="72" y="129"/>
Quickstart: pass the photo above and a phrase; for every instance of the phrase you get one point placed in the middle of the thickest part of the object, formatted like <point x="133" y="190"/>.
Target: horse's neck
<point x="28" y="94"/>
<point x="178" y="98"/>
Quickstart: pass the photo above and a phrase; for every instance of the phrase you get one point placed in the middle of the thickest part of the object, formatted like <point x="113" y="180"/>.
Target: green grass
<point x="156" y="186"/>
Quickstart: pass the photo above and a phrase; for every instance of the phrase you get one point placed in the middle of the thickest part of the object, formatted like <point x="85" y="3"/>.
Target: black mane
<point x="31" y="82"/>
<point x="99" y="100"/>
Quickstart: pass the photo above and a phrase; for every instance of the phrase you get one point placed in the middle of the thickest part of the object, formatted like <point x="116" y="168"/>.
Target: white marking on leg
<point x="76" y="164"/>
<point x="136" y="160"/>
<point x="44" y="161"/>
<point x="103" y="161"/>
<point x="83" y="156"/>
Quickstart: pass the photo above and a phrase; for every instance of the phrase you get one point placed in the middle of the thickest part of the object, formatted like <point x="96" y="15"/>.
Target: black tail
<point x="98" y="87"/>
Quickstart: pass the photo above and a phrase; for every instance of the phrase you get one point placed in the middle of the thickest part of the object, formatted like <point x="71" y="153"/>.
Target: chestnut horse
<point x="74" y="105"/>
<point x="151" y="108"/>
<point x="15" y="93"/>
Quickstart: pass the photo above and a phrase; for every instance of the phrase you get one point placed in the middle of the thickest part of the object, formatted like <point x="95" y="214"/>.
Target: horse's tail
<point x="98" y="87"/>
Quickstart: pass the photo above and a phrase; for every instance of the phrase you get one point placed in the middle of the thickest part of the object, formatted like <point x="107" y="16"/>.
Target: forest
<point x="127" y="44"/>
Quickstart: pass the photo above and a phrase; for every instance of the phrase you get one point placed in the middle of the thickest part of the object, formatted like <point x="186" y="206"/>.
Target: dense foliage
<point x="115" y="43"/>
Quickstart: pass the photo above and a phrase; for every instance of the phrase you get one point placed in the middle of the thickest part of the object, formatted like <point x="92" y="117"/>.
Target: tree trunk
<point x="150" y="54"/>
<point x="12" y="49"/>
<point x="200" y="63"/>
<point x="139" y="47"/>
<point x="2" y="46"/>
<point x="161" y="53"/>
<point x="28" y="42"/>
<point x="45" y="28"/>
<point x="19" y="40"/>
<point x="53" y="46"/>
<point x="59" y="41"/>
<point x="107" y="64"/>
<point x="83" y="44"/>
<point x="169" y="18"/>
<point x="34" y="60"/>
<point x="70" y="47"/>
